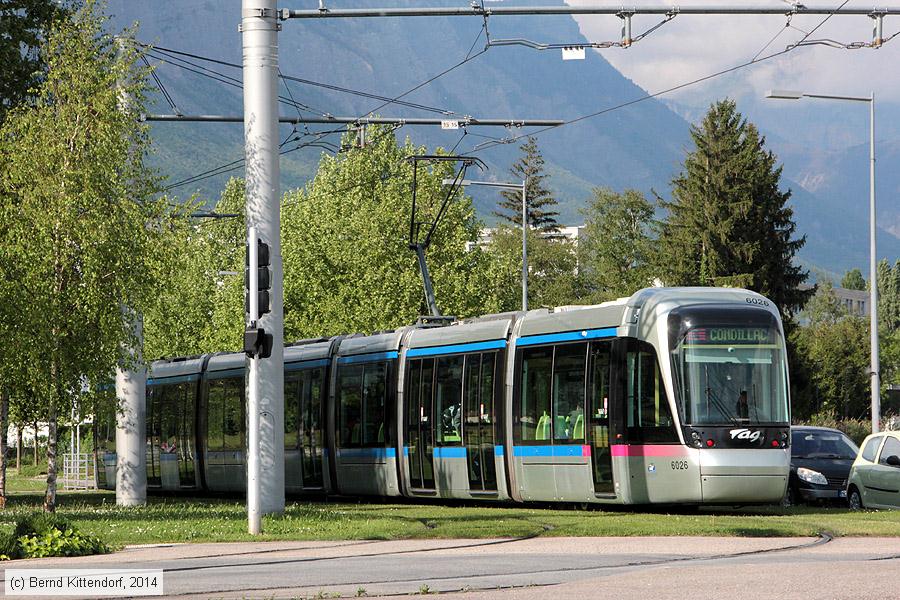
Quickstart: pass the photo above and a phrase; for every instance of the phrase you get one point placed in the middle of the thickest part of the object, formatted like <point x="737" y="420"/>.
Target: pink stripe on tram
<point x="585" y="450"/>
<point x="624" y="450"/>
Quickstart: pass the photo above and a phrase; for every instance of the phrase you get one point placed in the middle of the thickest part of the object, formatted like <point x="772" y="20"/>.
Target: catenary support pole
<point x="131" y="431"/>
<point x="873" y="277"/>
<point x="131" y="388"/>
<point x="524" y="246"/>
<point x="259" y="33"/>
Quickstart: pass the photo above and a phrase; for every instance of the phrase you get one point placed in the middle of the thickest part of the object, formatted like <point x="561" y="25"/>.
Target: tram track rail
<point x="821" y="539"/>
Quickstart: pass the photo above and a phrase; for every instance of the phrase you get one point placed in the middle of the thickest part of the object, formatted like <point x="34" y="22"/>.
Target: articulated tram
<point x="673" y="395"/>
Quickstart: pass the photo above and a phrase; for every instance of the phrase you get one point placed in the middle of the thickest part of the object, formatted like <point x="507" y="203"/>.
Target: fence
<point x="78" y="472"/>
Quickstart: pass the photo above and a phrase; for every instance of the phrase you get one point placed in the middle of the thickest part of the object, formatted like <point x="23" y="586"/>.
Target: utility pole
<point x="265" y="381"/>
<point x="131" y="392"/>
<point x="131" y="423"/>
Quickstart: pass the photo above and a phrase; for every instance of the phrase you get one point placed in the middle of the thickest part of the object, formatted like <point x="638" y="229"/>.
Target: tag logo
<point x="745" y="434"/>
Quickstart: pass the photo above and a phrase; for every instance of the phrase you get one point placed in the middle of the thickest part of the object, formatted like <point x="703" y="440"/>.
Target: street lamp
<point x="873" y="267"/>
<point x="509" y="186"/>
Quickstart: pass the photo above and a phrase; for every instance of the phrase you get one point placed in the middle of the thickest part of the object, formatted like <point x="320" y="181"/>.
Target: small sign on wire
<point x="450" y="124"/>
<point x="573" y="53"/>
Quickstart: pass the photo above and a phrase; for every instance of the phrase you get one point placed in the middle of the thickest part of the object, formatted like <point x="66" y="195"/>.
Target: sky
<point x="689" y="47"/>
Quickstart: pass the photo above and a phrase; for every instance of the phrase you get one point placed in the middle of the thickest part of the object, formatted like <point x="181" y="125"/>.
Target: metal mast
<point x="265" y="383"/>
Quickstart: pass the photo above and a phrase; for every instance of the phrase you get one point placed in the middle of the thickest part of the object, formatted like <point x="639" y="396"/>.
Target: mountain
<point x="640" y="146"/>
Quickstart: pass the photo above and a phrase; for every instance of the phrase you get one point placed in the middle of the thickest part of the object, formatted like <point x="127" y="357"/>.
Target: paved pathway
<point x="540" y="568"/>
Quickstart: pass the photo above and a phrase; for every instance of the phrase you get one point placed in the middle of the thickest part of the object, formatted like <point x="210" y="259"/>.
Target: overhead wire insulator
<point x="626" y="29"/>
<point x="877" y="30"/>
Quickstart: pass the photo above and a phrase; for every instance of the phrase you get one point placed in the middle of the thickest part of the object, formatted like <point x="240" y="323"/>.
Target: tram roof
<point x="460" y="333"/>
<point x="175" y="367"/>
<point x="379" y="342"/>
<point x="307" y="351"/>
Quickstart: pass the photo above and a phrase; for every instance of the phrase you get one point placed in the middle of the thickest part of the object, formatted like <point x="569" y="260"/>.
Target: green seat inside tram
<point x="543" y="428"/>
<point x="578" y="428"/>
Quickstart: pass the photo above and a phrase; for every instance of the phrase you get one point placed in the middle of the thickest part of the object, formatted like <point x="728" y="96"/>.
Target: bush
<point x="856" y="429"/>
<point x="47" y="534"/>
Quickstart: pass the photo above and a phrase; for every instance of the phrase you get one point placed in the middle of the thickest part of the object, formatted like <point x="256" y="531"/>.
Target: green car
<point x="875" y="476"/>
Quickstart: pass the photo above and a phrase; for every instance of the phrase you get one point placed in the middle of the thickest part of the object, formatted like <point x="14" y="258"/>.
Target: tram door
<point x="601" y="457"/>
<point x="418" y="426"/>
<point x="478" y="429"/>
<point x="311" y="428"/>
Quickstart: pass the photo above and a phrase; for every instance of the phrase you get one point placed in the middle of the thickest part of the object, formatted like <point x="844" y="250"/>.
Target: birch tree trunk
<point x="4" y="427"/>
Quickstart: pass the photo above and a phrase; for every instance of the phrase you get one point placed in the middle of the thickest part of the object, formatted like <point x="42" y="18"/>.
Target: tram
<point x="673" y="395"/>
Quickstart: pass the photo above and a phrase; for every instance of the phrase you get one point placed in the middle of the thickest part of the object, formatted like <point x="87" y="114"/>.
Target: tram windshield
<point x="729" y="375"/>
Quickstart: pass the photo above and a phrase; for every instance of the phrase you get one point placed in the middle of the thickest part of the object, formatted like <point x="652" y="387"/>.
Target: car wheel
<point x="855" y="500"/>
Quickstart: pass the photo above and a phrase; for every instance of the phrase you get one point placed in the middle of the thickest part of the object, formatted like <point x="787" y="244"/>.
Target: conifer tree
<point x="728" y="223"/>
<point x="538" y="198"/>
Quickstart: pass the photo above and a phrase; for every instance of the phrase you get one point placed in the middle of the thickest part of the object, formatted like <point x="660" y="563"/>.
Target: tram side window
<point x="448" y="401"/>
<point x="349" y="398"/>
<point x="374" y="397"/>
<point x="362" y="397"/>
<point x="534" y="397"/>
<point x="233" y="427"/>
<point x="647" y="412"/>
<point x="168" y="405"/>
<point x="487" y="387"/>
<point x="312" y="426"/>
<point x="153" y="399"/>
<point x="293" y="385"/>
<point x="568" y="392"/>
<point x="215" y="418"/>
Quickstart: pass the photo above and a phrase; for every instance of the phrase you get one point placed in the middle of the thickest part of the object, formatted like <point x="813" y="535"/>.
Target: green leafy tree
<point x="23" y="27"/>
<point x="728" y="223"/>
<point x="853" y="280"/>
<point x="347" y="267"/>
<point x="539" y="201"/>
<point x="79" y="222"/>
<point x="200" y="308"/>
<point x="889" y="328"/>
<point x="552" y="264"/>
<point x="615" y="256"/>
<point x="834" y="347"/>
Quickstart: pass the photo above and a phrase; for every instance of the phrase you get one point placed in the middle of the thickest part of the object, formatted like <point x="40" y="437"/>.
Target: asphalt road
<point x="538" y="568"/>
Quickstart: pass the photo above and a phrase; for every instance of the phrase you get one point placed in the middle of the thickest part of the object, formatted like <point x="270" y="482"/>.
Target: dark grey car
<point x="820" y="465"/>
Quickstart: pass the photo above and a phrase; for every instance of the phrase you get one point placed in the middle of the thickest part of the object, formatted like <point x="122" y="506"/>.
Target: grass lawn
<point x="169" y="519"/>
<point x="182" y="519"/>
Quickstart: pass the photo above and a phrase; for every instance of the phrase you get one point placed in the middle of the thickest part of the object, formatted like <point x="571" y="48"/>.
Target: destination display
<point x="730" y="335"/>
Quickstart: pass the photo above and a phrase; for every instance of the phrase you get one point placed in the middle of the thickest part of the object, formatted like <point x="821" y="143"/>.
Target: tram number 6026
<point x="679" y="465"/>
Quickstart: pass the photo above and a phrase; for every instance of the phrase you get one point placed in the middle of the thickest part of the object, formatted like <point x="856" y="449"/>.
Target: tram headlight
<point x="810" y="476"/>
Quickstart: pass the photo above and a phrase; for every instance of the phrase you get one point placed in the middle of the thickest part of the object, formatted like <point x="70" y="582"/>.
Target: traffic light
<point x="257" y="343"/>
<point x="263" y="278"/>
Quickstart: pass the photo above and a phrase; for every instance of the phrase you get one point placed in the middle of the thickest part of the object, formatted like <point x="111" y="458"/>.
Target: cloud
<point x="694" y="46"/>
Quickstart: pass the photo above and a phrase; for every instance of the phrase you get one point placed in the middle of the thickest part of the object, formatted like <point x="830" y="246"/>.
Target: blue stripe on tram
<point x="569" y="336"/>
<point x="456" y="348"/>
<point x="548" y="451"/>
<point x="449" y="452"/>
<point x="306" y="364"/>
<point x="367" y="453"/>
<point x="371" y="357"/>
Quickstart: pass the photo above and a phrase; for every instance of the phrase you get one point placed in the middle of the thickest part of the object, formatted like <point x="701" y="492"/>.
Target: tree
<point x="853" y="280"/>
<point x="552" y="264"/>
<point x="347" y="266"/>
<point x="834" y="350"/>
<point x="23" y="27"/>
<point x="79" y="223"/>
<point x="728" y="223"/>
<point x="201" y="307"/>
<point x="615" y="256"/>
<point x="539" y="201"/>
